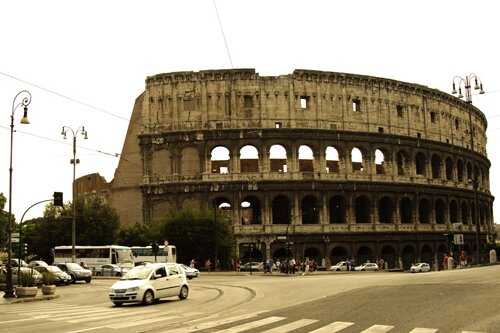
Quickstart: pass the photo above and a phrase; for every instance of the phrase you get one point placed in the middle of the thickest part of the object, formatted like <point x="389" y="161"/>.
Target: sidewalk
<point x="38" y="297"/>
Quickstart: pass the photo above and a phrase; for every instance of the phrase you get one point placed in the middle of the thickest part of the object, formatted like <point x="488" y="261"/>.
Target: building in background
<point x="329" y="165"/>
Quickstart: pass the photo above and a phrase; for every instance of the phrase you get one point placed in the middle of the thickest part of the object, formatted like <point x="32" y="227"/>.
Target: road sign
<point x="459" y="239"/>
<point x="14" y="239"/>
<point x="14" y="234"/>
<point x="281" y="237"/>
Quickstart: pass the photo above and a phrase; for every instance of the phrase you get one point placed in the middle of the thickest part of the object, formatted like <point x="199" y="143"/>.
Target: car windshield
<point x="53" y="269"/>
<point x="72" y="266"/>
<point x="138" y="273"/>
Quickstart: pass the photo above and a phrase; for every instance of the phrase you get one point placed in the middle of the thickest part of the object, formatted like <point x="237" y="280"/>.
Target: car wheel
<point x="97" y="273"/>
<point x="337" y="270"/>
<point x="184" y="292"/>
<point x="118" y="274"/>
<point x="149" y="297"/>
<point x="363" y="270"/>
<point x="118" y="303"/>
<point x="73" y="279"/>
<point x="88" y="280"/>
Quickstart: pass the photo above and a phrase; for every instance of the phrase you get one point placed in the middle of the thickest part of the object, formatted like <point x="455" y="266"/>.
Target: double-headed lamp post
<point x="478" y="85"/>
<point x="74" y="161"/>
<point x="25" y="101"/>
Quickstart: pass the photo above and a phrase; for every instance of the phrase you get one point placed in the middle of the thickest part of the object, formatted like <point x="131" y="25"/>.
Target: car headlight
<point x="133" y="289"/>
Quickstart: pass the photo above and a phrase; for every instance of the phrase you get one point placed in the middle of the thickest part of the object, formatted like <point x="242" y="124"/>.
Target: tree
<point x="198" y="234"/>
<point x="4" y="220"/>
<point x="139" y="234"/>
<point x="96" y="224"/>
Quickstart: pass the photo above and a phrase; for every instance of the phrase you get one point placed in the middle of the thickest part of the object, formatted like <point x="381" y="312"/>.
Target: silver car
<point x="110" y="270"/>
<point x="420" y="267"/>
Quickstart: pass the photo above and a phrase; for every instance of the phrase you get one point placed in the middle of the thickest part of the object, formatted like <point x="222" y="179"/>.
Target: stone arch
<point x="220" y="160"/>
<point x="379" y="162"/>
<point x="309" y="211"/>
<point x="338" y="253"/>
<point x="420" y="164"/>
<point x="281" y="210"/>
<point x="427" y="255"/>
<point x="332" y="160"/>
<point x="453" y="212"/>
<point x="306" y="158"/>
<point x="406" y="210"/>
<point x="386" y="210"/>
<point x="436" y="166"/>
<point x="278" y="159"/>
<point x="465" y="212"/>
<point x="357" y="160"/>
<point x="424" y="208"/>
<point x="439" y="211"/>
<point x="249" y="159"/>
<point x="364" y="254"/>
<point x="362" y="209"/>
<point x="402" y="162"/>
<point x="338" y="209"/>
<point x="313" y="253"/>
<point x="251" y="210"/>
<point x="388" y="253"/>
<point x="408" y="256"/>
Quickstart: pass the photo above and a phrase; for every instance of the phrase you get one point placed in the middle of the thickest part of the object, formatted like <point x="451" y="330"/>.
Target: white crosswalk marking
<point x="423" y="330"/>
<point x="291" y="326"/>
<point x="211" y="324"/>
<point x="378" y="329"/>
<point x="333" y="327"/>
<point x="250" y="325"/>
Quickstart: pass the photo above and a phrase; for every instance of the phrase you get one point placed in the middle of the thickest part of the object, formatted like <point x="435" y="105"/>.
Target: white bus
<point x="145" y="253"/>
<point x="93" y="256"/>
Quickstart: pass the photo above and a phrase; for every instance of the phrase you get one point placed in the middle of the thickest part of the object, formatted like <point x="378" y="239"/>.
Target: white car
<point x="420" y="267"/>
<point x="367" y="266"/>
<point x="190" y="272"/>
<point x="340" y="266"/>
<point x="149" y="283"/>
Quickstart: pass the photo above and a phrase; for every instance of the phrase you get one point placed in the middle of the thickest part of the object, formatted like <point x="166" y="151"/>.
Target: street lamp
<point x="478" y="85"/>
<point x="287" y="242"/>
<point x="74" y="161"/>
<point x="25" y="101"/>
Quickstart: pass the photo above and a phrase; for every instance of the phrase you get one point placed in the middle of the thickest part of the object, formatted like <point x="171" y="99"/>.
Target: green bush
<point x="27" y="278"/>
<point x="48" y="278"/>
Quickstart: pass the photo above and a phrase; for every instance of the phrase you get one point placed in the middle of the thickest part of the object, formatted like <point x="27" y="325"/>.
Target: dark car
<point x="77" y="272"/>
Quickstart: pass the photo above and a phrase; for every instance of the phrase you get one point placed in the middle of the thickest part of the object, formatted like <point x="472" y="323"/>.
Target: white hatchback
<point x="149" y="283"/>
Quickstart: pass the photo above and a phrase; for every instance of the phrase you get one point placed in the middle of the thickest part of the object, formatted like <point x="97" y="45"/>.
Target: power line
<point x="223" y="35"/>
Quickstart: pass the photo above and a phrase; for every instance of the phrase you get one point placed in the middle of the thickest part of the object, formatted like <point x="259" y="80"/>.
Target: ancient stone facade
<point x="341" y="165"/>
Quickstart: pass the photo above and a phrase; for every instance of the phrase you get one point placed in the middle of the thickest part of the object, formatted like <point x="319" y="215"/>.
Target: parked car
<point x="15" y="262"/>
<point x="37" y="275"/>
<point x="60" y="276"/>
<point x="110" y="270"/>
<point x="340" y="266"/>
<point x="367" y="266"/>
<point x="190" y="272"/>
<point x="149" y="283"/>
<point x="253" y="266"/>
<point x="420" y="267"/>
<point x="36" y="263"/>
<point x="77" y="272"/>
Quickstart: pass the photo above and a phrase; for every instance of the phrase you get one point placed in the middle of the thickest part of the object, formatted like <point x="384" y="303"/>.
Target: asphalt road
<point x="447" y="301"/>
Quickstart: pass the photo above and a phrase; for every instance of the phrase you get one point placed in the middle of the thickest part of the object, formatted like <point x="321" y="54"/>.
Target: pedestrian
<point x="445" y="261"/>
<point x="306" y="266"/>
<point x="352" y="263"/>
<point x="238" y="266"/>
<point x="271" y="265"/>
<point x="192" y="263"/>
<point x="208" y="265"/>
<point x="348" y="263"/>
<point x="278" y="265"/>
<point x="292" y="265"/>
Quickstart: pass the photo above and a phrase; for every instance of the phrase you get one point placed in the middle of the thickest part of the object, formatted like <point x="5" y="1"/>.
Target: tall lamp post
<point x="25" y="101"/>
<point x="74" y="161"/>
<point x="478" y="85"/>
<point x="288" y="243"/>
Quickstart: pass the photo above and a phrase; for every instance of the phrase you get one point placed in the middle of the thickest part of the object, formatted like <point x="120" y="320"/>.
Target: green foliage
<point x="96" y="224"/>
<point x="27" y="278"/>
<point x="138" y="234"/>
<point x="3" y="277"/>
<point x="48" y="278"/>
<point x="4" y="220"/>
<point x="199" y="234"/>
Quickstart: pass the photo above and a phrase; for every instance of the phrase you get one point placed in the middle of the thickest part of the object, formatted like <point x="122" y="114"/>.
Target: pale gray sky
<point x="85" y="62"/>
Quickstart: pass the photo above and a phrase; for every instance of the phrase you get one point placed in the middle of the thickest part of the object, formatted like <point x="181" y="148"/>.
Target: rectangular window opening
<point x="304" y="102"/>
<point x="277" y="125"/>
<point x="400" y="110"/>
<point x="247" y="100"/>
<point x="356" y="105"/>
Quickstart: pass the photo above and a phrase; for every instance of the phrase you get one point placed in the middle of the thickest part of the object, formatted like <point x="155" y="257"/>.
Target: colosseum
<point x="326" y="165"/>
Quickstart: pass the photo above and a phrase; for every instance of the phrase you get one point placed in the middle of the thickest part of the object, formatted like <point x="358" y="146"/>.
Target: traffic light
<point x="25" y="249"/>
<point x="155" y="248"/>
<point x="58" y="199"/>
<point x="451" y="238"/>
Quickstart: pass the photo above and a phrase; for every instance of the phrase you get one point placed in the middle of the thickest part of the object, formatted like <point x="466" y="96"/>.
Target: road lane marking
<point x="424" y="330"/>
<point x="251" y="325"/>
<point x="378" y="329"/>
<point x="211" y="324"/>
<point x="333" y="327"/>
<point x="291" y="326"/>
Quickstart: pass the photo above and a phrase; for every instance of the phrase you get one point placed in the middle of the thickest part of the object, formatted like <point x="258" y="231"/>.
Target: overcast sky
<point x="85" y="62"/>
